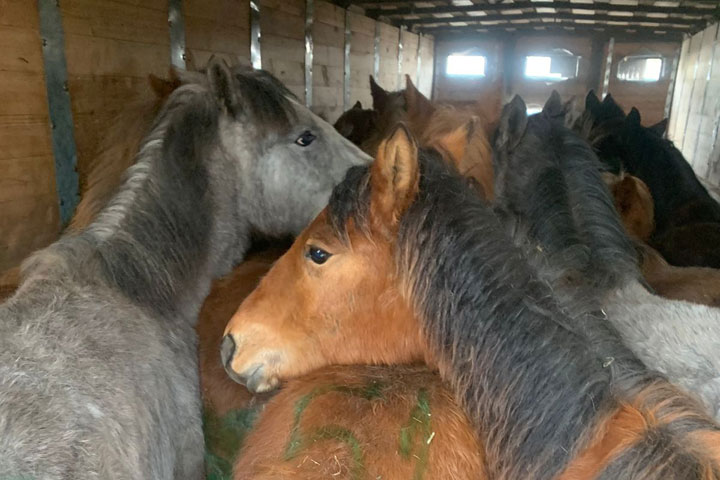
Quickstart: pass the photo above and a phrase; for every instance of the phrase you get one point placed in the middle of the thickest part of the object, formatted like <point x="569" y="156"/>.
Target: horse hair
<point x="519" y="364"/>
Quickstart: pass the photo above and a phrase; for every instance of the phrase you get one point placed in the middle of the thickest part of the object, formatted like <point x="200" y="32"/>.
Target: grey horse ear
<point x="221" y="84"/>
<point x="513" y="122"/>
<point x="554" y="107"/>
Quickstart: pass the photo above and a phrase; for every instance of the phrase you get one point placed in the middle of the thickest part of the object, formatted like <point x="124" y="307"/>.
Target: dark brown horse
<point x="407" y="263"/>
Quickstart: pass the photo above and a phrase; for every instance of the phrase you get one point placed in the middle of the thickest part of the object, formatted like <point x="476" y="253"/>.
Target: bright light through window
<point x="640" y="69"/>
<point x="540" y="67"/>
<point x="466" y="65"/>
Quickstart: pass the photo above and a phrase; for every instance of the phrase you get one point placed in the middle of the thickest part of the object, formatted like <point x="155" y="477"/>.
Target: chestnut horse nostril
<point x="227" y="349"/>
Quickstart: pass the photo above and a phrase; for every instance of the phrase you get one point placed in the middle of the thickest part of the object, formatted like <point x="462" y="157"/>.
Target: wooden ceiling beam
<point x="496" y="31"/>
<point x="527" y="5"/>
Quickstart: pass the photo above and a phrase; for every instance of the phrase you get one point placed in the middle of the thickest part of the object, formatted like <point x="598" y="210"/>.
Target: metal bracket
<point x="60" y="110"/>
<point x="255" y="55"/>
<point x="418" y="68"/>
<point x="309" y="7"/>
<point x="608" y="67"/>
<point x="376" y="51"/>
<point x="176" y="22"/>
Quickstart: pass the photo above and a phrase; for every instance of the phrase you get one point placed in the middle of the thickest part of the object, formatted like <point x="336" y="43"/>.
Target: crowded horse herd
<point x="426" y="291"/>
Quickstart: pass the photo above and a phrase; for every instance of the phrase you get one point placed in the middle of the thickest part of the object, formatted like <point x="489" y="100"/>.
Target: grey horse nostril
<point x="227" y="349"/>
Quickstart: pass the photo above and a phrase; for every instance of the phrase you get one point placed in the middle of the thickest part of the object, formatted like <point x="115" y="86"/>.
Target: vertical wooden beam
<point x="176" y="22"/>
<point x="704" y="97"/>
<point x="608" y="67"/>
<point x="309" y="12"/>
<point x="60" y="111"/>
<point x="346" y="62"/>
<point x="255" y="50"/>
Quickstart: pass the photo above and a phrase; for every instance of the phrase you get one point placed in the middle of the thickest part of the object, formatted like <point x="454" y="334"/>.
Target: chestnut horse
<point x="354" y="422"/>
<point x="407" y="263"/>
<point x="635" y="206"/>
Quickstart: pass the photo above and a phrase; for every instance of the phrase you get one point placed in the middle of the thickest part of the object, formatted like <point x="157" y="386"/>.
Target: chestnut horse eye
<point x="305" y="138"/>
<point x="317" y="255"/>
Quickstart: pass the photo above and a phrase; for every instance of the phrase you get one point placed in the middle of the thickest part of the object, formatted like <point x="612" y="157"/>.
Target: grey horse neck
<point x="165" y="234"/>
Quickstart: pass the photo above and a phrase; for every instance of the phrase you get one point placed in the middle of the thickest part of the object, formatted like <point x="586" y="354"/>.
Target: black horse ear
<point x="633" y="117"/>
<point x="357" y="105"/>
<point x="659" y="128"/>
<point x="553" y="107"/>
<point x="221" y="84"/>
<point x="379" y="95"/>
<point x="513" y="122"/>
<point x="592" y="102"/>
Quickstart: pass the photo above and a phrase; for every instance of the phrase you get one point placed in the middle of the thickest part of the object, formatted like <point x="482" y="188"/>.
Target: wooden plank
<point x="330" y="56"/>
<point x="282" y="24"/>
<point x="19" y="13"/>
<point x="107" y="19"/>
<point x="87" y="55"/>
<point x="291" y="7"/>
<point x="26" y="177"/>
<point x="204" y="34"/>
<point x="328" y="35"/>
<point x="361" y="24"/>
<point x="688" y="81"/>
<point x="22" y="50"/>
<point x="24" y="136"/>
<point x="22" y="93"/>
<point x="680" y="85"/>
<point x="109" y="93"/>
<point x="27" y="225"/>
<point x="329" y="14"/>
<point x="325" y="76"/>
<point x="226" y="12"/>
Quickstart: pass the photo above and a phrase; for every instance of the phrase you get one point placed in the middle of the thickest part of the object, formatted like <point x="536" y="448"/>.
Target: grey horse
<point x="98" y="363"/>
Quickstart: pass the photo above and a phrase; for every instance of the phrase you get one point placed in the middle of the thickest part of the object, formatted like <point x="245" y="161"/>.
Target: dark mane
<point x="265" y="99"/>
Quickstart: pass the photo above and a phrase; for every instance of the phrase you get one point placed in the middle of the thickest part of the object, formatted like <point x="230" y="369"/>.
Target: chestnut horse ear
<point x="513" y="122"/>
<point x="394" y="178"/>
<point x="660" y="127"/>
<point x="379" y="95"/>
<point x="416" y="103"/>
<point x="221" y="84"/>
<point x="455" y="143"/>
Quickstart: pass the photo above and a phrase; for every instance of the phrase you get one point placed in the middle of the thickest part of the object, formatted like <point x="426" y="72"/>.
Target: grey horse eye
<point x="305" y="138"/>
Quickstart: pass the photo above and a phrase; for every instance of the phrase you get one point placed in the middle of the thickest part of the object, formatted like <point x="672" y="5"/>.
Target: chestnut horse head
<point x="634" y="203"/>
<point x="345" y="304"/>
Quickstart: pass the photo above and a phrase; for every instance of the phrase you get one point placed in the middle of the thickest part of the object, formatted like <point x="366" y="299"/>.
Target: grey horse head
<point x="288" y="158"/>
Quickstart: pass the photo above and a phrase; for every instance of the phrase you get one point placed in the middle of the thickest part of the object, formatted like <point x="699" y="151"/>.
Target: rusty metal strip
<point x="255" y="54"/>
<point x="346" y="63"/>
<point x="400" y="57"/>
<point x="309" y="8"/>
<point x="176" y="22"/>
<point x="608" y="67"/>
<point x="60" y="110"/>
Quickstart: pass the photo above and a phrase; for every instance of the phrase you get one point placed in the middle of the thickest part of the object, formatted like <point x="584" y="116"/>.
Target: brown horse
<point x="356" y="422"/>
<point x="635" y="206"/>
<point x="406" y="264"/>
<point x="357" y="124"/>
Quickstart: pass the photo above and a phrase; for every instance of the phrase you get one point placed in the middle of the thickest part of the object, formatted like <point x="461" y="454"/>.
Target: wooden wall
<point x="29" y="217"/>
<point x="111" y="47"/>
<point x="695" y="115"/>
<point x="505" y="65"/>
<point x="649" y="98"/>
